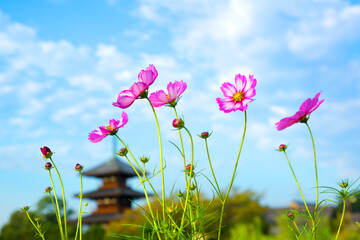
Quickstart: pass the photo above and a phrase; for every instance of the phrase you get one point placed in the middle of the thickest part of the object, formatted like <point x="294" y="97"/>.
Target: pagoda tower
<point x="114" y="196"/>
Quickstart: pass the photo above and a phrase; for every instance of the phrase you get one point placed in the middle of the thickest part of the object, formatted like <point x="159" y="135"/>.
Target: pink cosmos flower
<point x="160" y="98"/>
<point x="239" y="95"/>
<point x="111" y="129"/>
<point x="306" y="108"/>
<point x="138" y="89"/>
<point x="148" y="75"/>
<point x="127" y="97"/>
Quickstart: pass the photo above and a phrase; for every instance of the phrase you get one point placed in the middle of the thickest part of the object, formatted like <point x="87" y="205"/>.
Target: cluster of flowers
<point x="237" y="96"/>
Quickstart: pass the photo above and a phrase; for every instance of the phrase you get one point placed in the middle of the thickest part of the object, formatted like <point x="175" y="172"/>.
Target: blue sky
<point x="62" y="64"/>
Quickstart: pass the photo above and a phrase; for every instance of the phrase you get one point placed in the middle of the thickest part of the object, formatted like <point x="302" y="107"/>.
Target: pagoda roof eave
<point x="98" y="218"/>
<point x="114" y="192"/>
<point x="110" y="168"/>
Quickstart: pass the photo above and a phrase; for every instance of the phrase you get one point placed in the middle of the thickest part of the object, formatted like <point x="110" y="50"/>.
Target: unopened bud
<point x="344" y="184"/>
<point x="78" y="167"/>
<point x="25" y="208"/>
<point x="48" y="166"/>
<point x="170" y="209"/>
<point x="46" y="152"/>
<point x="179" y="194"/>
<point x="48" y="189"/>
<point x="204" y="135"/>
<point x="144" y="159"/>
<point x="282" y="147"/>
<point x="192" y="187"/>
<point x="188" y="167"/>
<point x="123" y="152"/>
<point x="291" y="216"/>
<point x="178" y="123"/>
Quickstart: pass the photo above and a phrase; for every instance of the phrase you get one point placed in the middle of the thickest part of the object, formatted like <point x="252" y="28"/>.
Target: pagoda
<point x="114" y="196"/>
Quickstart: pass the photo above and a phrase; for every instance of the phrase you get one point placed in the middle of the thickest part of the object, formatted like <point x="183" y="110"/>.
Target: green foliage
<point x="95" y="232"/>
<point x="242" y="207"/>
<point x="20" y="228"/>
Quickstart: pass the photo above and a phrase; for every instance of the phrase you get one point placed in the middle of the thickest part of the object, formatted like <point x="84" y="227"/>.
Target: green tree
<point x="20" y="228"/>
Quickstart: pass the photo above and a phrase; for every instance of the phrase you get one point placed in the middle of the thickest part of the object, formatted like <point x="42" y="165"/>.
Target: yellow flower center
<point x="108" y="127"/>
<point x="238" y="96"/>
<point x="168" y="96"/>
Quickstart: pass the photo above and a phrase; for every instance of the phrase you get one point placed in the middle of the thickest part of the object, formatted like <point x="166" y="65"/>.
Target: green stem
<point x="212" y="170"/>
<point x="157" y="196"/>
<point x="197" y="191"/>
<point x="316" y="172"/>
<point x="307" y="209"/>
<point x="182" y="148"/>
<point x="63" y="195"/>
<point x="296" y="227"/>
<point x="189" y="181"/>
<point x="52" y="200"/>
<point x="342" y="218"/>
<point x="161" y="159"/>
<point x="78" y="227"/>
<point x="142" y="181"/>
<point x="223" y="201"/>
<point x="58" y="209"/>
<point x="147" y="200"/>
<point x="37" y="229"/>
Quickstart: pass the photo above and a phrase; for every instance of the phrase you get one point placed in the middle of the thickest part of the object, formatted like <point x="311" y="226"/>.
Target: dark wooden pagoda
<point x="114" y="196"/>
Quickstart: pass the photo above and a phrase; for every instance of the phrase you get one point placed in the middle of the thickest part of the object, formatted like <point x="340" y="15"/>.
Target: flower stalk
<point x="223" y="201"/>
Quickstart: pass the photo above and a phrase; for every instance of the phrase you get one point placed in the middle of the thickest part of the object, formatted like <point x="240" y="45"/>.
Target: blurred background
<point x="63" y="62"/>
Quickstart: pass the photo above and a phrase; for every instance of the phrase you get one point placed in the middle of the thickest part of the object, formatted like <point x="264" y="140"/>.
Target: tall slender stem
<point x="58" y="209"/>
<point x="142" y="182"/>
<point x="212" y="170"/>
<point x="341" y="221"/>
<point x="316" y="172"/>
<point x="223" y="201"/>
<point x="52" y="201"/>
<point x="63" y="195"/>
<point x="190" y="176"/>
<point x="37" y="229"/>
<point x="79" y="223"/>
<point x="182" y="148"/>
<point x="157" y="196"/>
<point x="161" y="159"/>
<point x="296" y="227"/>
<point x="307" y="209"/>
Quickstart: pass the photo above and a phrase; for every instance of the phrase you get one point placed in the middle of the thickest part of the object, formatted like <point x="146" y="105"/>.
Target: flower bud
<point x="291" y="216"/>
<point x="204" y="135"/>
<point x="170" y="209"/>
<point x="178" y="123"/>
<point x="48" y="166"/>
<point x="344" y="184"/>
<point x="25" y="208"/>
<point x="144" y="159"/>
<point x="282" y="147"/>
<point x="179" y="194"/>
<point x="48" y="189"/>
<point x="85" y="204"/>
<point x="188" y="167"/>
<point x="123" y="152"/>
<point x="192" y="187"/>
<point x="46" y="152"/>
<point x="78" y="167"/>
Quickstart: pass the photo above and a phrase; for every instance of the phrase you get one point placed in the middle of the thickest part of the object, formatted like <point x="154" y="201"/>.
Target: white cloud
<point x="321" y="29"/>
<point x="110" y="59"/>
<point x="111" y="2"/>
<point x="279" y="110"/>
